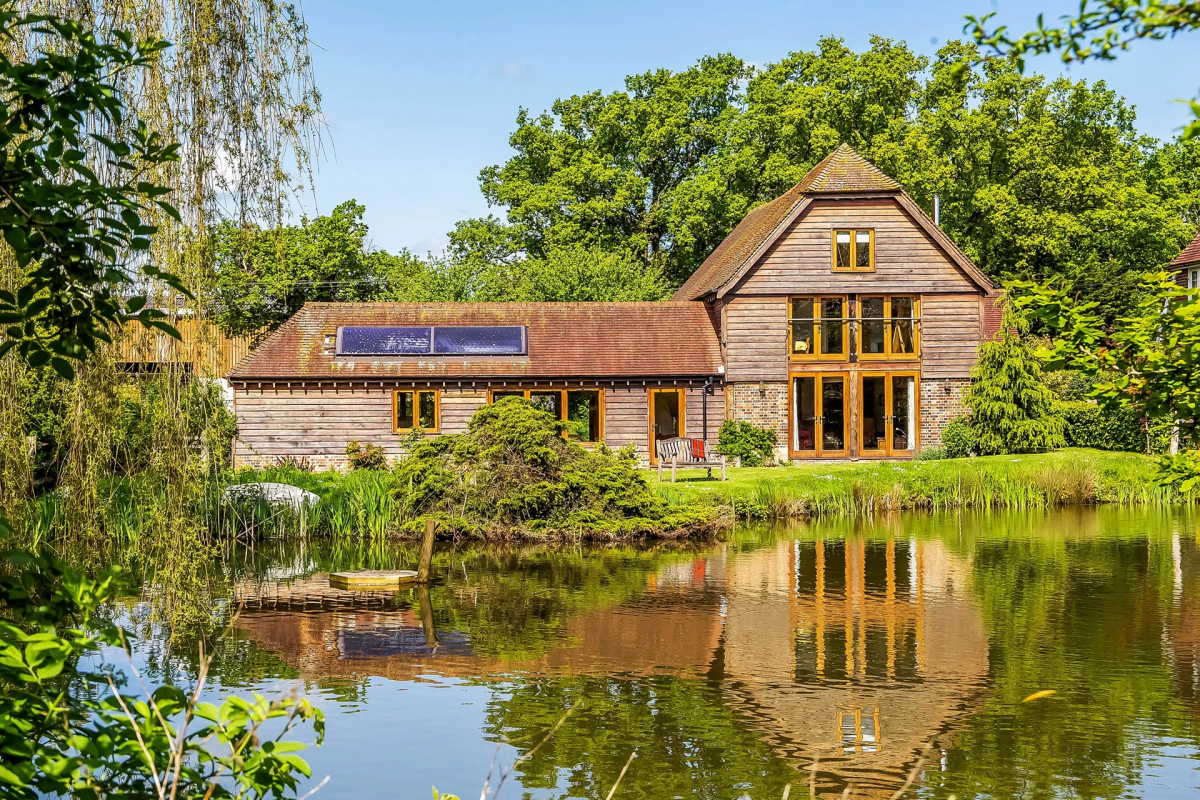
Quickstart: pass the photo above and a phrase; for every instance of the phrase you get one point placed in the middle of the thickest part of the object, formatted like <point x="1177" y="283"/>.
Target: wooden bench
<point x="688" y="453"/>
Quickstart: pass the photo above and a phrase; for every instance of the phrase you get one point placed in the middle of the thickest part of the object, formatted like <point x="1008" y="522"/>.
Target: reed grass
<point x="1023" y="482"/>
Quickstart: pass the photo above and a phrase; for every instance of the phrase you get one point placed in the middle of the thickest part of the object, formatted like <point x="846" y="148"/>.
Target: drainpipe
<point x="704" y="407"/>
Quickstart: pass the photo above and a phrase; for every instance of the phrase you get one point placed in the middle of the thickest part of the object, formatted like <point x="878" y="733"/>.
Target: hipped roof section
<point x="842" y="172"/>
<point x="565" y="340"/>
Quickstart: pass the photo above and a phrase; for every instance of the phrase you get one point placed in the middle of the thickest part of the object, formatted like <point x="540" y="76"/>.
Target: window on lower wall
<point x="889" y="327"/>
<point x="415" y="408"/>
<point x="819" y="328"/>
<point x="581" y="409"/>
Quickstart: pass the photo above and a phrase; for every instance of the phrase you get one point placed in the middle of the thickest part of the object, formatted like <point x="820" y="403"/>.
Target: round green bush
<point x="958" y="438"/>
<point x="739" y="439"/>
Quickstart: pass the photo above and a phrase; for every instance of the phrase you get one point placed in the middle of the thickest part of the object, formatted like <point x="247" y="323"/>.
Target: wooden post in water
<point x="426" y="551"/>
<point x="422" y="590"/>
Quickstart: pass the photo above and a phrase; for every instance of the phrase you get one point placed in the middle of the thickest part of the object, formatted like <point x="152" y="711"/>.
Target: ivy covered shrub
<point x="1012" y="408"/>
<point x="739" y="439"/>
<point x="514" y="470"/>
<point x="366" y="456"/>
<point x="958" y="438"/>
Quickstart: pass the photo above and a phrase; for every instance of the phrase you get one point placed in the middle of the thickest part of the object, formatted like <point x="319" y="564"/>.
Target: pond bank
<point x="1073" y="476"/>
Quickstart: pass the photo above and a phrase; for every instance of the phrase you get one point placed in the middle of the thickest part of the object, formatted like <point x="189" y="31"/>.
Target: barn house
<point x="838" y="315"/>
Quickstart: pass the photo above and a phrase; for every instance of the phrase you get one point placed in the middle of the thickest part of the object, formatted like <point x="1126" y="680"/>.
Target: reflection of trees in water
<point x="689" y="743"/>
<point x="1080" y="604"/>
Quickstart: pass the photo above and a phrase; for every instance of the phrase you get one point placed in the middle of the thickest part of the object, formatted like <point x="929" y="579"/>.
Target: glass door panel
<point x="804" y="400"/>
<point x="904" y="413"/>
<point x="833" y="413"/>
<point x="874" y="414"/>
<point x="666" y="417"/>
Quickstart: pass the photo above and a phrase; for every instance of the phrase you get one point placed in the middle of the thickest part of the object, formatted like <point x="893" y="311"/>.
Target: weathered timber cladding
<point x="756" y="339"/>
<point x="694" y="414"/>
<point x="627" y="417"/>
<point x="319" y="423"/>
<point x="906" y="258"/>
<point x="951" y="328"/>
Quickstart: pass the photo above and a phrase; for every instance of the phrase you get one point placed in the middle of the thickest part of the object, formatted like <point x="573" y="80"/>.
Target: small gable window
<point x="415" y="409"/>
<point x="854" y="250"/>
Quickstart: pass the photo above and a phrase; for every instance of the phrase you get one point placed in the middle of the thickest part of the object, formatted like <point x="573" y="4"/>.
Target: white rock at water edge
<point x="280" y="494"/>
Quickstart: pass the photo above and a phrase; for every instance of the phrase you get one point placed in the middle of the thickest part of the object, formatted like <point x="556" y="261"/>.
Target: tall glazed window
<point x="819" y="328"/>
<point x="889" y="327"/>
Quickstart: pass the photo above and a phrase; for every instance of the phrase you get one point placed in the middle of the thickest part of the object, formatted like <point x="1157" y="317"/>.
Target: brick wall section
<point x="764" y="404"/>
<point x="939" y="406"/>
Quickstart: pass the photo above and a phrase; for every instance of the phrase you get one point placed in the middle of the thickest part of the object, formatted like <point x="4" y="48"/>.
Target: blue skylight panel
<point x="385" y="341"/>
<point x="479" y="340"/>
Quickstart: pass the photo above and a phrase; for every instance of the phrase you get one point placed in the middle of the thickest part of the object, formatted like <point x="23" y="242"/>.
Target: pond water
<point x="898" y="647"/>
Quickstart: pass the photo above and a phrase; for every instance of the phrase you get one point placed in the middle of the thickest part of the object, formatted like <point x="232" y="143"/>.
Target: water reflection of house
<point x="878" y="651"/>
<point x="1185" y="623"/>
<point x="327" y="633"/>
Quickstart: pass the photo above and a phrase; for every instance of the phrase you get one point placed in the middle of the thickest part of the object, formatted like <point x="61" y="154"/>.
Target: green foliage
<point x="366" y="456"/>
<point x="1148" y="363"/>
<point x="1102" y="28"/>
<point x="739" y="439"/>
<point x="1037" y="177"/>
<point x="1090" y="425"/>
<point x="71" y="232"/>
<point x="57" y="737"/>
<point x="959" y="439"/>
<point x="514" y="469"/>
<point x="1012" y="410"/>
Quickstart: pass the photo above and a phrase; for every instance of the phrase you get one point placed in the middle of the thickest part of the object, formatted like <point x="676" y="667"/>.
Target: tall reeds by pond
<point x="1025" y="482"/>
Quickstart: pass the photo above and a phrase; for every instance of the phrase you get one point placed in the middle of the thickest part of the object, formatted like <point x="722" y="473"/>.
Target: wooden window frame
<point x="437" y="410"/>
<point x="820" y="355"/>
<point x="914" y="436"/>
<point x="887" y="354"/>
<point x="651" y="439"/>
<point x="563" y="390"/>
<point x="1193" y="278"/>
<point x="819" y="450"/>
<point x="833" y="234"/>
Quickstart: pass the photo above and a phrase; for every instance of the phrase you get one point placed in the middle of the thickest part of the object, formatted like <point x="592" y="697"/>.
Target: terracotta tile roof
<point x="565" y="340"/>
<point x="843" y="170"/>
<point x="1189" y="256"/>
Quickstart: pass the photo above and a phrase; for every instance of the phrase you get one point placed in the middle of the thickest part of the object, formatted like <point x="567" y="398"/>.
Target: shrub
<point x="958" y="438"/>
<point x="1088" y="425"/>
<point x="754" y="446"/>
<point x="514" y="469"/>
<point x="366" y="456"/>
<point x="930" y="454"/>
<point x="1012" y="409"/>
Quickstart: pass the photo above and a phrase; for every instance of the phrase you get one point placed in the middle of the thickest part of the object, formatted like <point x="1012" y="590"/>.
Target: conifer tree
<point x="1012" y="409"/>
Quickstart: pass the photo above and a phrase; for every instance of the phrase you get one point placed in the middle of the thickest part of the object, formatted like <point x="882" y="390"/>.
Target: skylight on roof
<point x="491" y="340"/>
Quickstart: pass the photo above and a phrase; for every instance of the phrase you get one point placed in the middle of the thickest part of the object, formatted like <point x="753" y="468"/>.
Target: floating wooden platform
<point x="371" y="578"/>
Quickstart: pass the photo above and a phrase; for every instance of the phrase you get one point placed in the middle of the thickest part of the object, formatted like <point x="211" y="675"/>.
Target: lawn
<point x="1064" y="477"/>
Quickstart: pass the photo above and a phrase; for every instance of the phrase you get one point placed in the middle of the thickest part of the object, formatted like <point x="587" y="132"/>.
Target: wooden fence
<point x="204" y="349"/>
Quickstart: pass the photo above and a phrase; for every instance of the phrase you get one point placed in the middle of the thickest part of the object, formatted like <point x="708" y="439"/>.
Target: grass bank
<point x="1073" y="476"/>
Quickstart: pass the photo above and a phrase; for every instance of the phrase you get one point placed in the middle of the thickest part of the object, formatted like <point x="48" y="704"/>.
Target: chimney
<point x="937" y="210"/>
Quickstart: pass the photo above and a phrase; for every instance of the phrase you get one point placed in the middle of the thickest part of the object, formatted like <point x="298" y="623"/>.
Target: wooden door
<point x="888" y="418"/>
<point x="666" y="417"/>
<point x="819" y="415"/>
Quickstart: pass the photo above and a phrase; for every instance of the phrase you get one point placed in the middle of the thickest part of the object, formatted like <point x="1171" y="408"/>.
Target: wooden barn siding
<point x="756" y="339"/>
<point x="906" y="258"/>
<point x="323" y="422"/>
<point x="693" y="419"/>
<point x="627" y="417"/>
<point x="951" y="329"/>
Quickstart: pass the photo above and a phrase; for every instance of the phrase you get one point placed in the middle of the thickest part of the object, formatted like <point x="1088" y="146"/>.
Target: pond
<point x="901" y="647"/>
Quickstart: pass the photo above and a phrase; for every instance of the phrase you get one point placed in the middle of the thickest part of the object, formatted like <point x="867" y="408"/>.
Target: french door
<point x="667" y="408"/>
<point x="887" y="414"/>
<point x="820" y="402"/>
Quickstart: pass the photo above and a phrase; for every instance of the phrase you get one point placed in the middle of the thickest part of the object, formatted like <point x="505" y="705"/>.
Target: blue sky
<point x="420" y="96"/>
